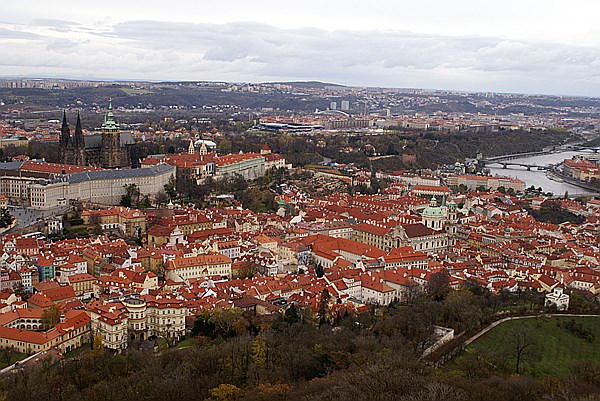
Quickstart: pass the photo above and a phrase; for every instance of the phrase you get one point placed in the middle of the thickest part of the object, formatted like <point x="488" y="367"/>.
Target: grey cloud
<point x="247" y="51"/>
<point x="14" y="34"/>
<point x="56" y="23"/>
<point x="62" y="45"/>
<point x="265" y="44"/>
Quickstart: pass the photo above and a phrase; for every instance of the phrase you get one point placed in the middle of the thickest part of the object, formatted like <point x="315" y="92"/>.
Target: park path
<point x="498" y="322"/>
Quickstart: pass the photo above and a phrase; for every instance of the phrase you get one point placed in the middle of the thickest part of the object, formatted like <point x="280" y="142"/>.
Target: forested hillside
<point x="370" y="356"/>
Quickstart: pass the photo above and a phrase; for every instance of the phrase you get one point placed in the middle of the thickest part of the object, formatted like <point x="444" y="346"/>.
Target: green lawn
<point x="15" y="357"/>
<point x="555" y="348"/>
<point x="77" y="351"/>
<point x="188" y="342"/>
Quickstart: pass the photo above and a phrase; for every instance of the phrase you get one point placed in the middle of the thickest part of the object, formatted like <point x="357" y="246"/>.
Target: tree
<point x="521" y="346"/>
<point x="438" y="286"/>
<point x="145" y="203"/>
<point x="131" y="198"/>
<point x="324" y="307"/>
<point x="171" y="188"/>
<point x="7" y="354"/>
<point x="462" y="312"/>
<point x="224" y="146"/>
<point x="291" y="314"/>
<point x="258" y="352"/>
<point x="50" y="317"/>
<point x="248" y="269"/>
<point x="97" y="346"/>
<point x="228" y="322"/>
<point x="225" y="392"/>
<point x="319" y="271"/>
<point x="203" y="326"/>
<point x="5" y="218"/>
<point x="391" y="149"/>
<point x="161" y="198"/>
<point x="553" y="212"/>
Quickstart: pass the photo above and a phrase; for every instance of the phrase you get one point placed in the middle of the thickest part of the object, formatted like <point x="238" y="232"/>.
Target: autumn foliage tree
<point x="50" y="317"/>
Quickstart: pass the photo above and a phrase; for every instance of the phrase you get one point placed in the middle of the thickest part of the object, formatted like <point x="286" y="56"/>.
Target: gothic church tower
<point x="79" y="144"/>
<point x="111" y="141"/>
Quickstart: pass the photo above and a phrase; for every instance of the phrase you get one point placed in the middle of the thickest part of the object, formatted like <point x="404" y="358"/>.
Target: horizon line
<point x="158" y="81"/>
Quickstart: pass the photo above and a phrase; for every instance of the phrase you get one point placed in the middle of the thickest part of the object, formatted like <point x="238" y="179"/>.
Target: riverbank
<point x="539" y="179"/>
<point x="581" y="184"/>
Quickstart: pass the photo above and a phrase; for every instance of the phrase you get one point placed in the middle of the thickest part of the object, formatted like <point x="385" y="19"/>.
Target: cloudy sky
<point x="525" y="46"/>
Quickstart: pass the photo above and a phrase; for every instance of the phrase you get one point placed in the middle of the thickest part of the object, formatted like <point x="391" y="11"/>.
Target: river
<point x="538" y="178"/>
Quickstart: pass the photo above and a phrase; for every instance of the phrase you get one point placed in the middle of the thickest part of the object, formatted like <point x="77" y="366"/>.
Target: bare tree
<point x="161" y="198"/>
<point x="522" y="346"/>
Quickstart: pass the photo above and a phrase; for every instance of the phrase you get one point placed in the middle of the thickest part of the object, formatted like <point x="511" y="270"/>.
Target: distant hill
<point x="306" y="84"/>
<point x="187" y="95"/>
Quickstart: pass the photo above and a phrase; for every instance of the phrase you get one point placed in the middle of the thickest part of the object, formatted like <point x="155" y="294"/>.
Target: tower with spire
<point x="111" y="155"/>
<point x="79" y="144"/>
<point x="111" y="141"/>
<point x="65" y="132"/>
<point x="72" y="147"/>
<point x="203" y="149"/>
<point x="109" y="148"/>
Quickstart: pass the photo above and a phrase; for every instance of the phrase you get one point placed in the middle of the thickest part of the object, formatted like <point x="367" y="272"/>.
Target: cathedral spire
<point x="64" y="121"/>
<point x="65" y="132"/>
<point x="78" y="140"/>
<point x="191" y="149"/>
<point x="109" y="121"/>
<point x="109" y="115"/>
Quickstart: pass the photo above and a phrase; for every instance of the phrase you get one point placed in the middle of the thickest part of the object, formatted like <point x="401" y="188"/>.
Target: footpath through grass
<point x="555" y="344"/>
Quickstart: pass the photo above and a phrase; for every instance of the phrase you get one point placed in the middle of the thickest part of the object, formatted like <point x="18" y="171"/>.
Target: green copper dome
<point x="433" y="210"/>
<point x="109" y="123"/>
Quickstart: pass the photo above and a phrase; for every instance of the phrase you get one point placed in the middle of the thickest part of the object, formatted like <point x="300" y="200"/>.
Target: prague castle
<point x="109" y="149"/>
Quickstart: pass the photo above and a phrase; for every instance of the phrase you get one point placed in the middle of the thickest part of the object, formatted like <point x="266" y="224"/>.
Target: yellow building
<point x="130" y="222"/>
<point x="213" y="264"/>
<point x="72" y="332"/>
<point x="14" y="141"/>
<point x="83" y="284"/>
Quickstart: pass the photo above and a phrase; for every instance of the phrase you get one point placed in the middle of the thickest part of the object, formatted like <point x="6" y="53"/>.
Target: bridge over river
<point x="511" y="160"/>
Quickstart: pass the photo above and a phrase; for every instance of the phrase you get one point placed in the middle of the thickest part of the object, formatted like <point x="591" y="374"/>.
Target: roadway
<point x="27" y="216"/>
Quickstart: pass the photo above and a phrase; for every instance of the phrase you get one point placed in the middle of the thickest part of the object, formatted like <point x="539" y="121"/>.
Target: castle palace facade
<point x="108" y="149"/>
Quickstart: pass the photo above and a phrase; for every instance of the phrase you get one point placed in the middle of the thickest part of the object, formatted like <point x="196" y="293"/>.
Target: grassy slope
<point x="14" y="358"/>
<point x="557" y="348"/>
